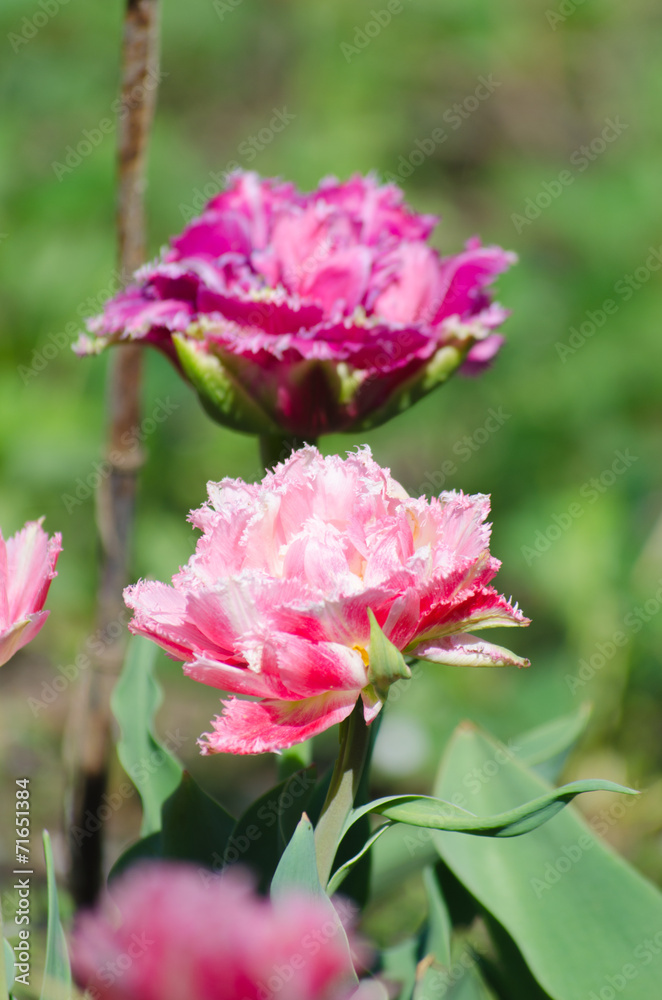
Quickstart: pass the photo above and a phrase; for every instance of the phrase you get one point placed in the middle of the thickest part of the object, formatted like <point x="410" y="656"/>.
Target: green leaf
<point x="343" y="871"/>
<point x="297" y="868"/>
<point x="147" y="849"/>
<point x="546" y="747"/>
<point x="297" y="871"/>
<point x="578" y="913"/>
<point x="6" y="963"/>
<point x="194" y="826"/>
<point x="296" y="758"/>
<point x="399" y="964"/>
<point x="437" y="814"/>
<point x="438" y="939"/>
<point x="386" y="664"/>
<point x="263" y="832"/>
<point x="450" y="967"/>
<point x="7" y="959"/>
<point x="153" y="769"/>
<point x="57" y="971"/>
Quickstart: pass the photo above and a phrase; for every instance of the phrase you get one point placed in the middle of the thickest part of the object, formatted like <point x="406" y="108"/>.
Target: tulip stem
<point x="354" y="745"/>
<point x="275" y="448"/>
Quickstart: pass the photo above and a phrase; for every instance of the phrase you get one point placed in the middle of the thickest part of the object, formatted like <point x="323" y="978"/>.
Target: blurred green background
<point x="559" y="78"/>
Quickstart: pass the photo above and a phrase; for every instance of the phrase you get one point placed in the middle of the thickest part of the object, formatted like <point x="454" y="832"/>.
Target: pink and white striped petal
<point x="263" y="726"/>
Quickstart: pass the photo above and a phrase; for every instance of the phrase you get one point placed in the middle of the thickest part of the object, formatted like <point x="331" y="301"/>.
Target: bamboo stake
<point x="90" y="736"/>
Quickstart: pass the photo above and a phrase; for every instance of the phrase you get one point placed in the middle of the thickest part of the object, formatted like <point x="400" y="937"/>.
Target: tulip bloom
<point x="276" y="601"/>
<point x="27" y="566"/>
<point x="182" y="936"/>
<point x="305" y="314"/>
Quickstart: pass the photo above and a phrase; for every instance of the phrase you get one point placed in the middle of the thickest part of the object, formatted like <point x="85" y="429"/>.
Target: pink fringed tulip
<point x="306" y="314"/>
<point x="27" y="566"/>
<point x="275" y="601"/>
<point x="183" y="937"/>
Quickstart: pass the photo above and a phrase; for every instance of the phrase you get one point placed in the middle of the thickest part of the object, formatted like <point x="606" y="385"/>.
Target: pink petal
<point x="31" y="560"/>
<point x="20" y="634"/>
<point x="258" y="727"/>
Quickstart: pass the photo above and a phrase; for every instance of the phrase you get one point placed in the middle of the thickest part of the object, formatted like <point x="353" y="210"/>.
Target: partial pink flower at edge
<point x="27" y="566"/>
<point x="274" y="603"/>
<point x="183" y="933"/>
<point x="310" y="313"/>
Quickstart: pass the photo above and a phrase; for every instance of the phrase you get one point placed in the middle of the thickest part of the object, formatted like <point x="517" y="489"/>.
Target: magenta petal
<point x="262" y="726"/>
<point x="323" y="311"/>
<point x="464" y="277"/>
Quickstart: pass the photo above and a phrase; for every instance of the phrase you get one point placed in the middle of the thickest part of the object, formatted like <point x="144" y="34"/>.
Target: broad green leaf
<point x="582" y="918"/>
<point x="386" y="664"/>
<point x="147" y="849"/>
<point x="136" y="698"/>
<point x="194" y="826"/>
<point x="297" y="868"/>
<point x="546" y="747"/>
<point x="265" y="829"/>
<point x="57" y="971"/>
<point x="507" y="969"/>
<point x="297" y="871"/>
<point x="437" y="814"/>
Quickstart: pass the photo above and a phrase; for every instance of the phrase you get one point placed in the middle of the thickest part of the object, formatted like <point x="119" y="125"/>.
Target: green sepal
<point x="220" y="392"/>
<point x="386" y="664"/>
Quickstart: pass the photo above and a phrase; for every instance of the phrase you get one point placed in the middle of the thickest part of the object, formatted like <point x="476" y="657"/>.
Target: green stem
<point x="354" y="744"/>
<point x="276" y="448"/>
